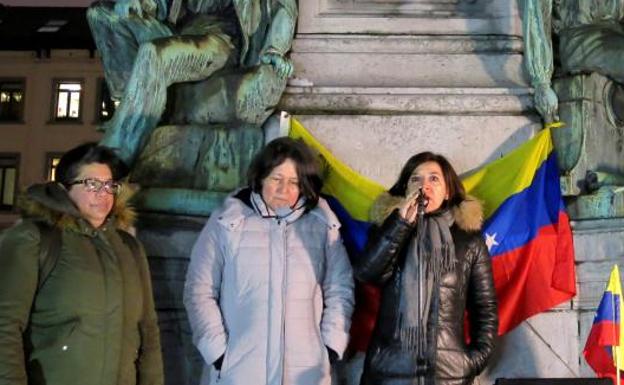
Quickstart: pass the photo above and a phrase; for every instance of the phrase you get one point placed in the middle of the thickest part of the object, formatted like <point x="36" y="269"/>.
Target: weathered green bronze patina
<point x="585" y="92"/>
<point x="223" y="65"/>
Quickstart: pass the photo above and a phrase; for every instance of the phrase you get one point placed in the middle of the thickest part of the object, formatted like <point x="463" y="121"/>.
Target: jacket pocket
<point x="56" y="336"/>
<point x="453" y="364"/>
<point x="58" y="353"/>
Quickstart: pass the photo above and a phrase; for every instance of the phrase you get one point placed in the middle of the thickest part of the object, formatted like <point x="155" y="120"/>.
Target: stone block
<point x="408" y="61"/>
<point x="168" y="240"/>
<point x="468" y="141"/>
<point x="479" y="17"/>
<point x="597" y="240"/>
<point x="592" y="278"/>
<point x="545" y="345"/>
<point x="586" y="319"/>
<point x="182" y="362"/>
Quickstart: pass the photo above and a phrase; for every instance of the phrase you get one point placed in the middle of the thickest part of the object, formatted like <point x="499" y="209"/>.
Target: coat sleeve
<point x="337" y="295"/>
<point x="150" y="364"/>
<point x="382" y="250"/>
<point x="202" y="292"/>
<point x="19" y="269"/>
<point x="482" y="308"/>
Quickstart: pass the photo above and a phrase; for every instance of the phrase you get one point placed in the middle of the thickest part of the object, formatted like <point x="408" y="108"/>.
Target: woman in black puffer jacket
<point x="432" y="266"/>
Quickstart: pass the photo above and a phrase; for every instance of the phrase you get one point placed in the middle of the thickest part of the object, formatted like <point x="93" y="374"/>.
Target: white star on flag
<point x="490" y="241"/>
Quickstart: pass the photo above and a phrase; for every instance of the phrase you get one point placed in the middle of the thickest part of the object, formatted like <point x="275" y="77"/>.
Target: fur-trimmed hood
<point x="468" y="215"/>
<point x="51" y="203"/>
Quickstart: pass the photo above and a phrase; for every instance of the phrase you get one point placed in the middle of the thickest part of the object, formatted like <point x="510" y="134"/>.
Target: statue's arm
<point x="538" y="54"/>
<point x="280" y="37"/>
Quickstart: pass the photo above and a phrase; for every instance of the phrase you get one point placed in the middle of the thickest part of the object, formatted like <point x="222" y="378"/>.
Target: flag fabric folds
<point x="604" y="349"/>
<point x="526" y="229"/>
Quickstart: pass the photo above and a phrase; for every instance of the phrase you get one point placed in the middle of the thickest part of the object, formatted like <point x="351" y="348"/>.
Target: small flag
<point x="605" y="344"/>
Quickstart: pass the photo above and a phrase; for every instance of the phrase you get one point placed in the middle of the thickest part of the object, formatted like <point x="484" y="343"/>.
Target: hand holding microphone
<point x="414" y="204"/>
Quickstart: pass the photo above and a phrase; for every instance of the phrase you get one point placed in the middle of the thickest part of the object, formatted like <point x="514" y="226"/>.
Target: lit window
<point x="67" y="100"/>
<point x="51" y="163"/>
<point x="106" y="105"/>
<point x="11" y="101"/>
<point x="8" y="181"/>
<point x="52" y="26"/>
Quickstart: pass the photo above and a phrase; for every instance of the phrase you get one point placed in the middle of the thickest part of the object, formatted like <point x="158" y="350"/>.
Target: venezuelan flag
<point x="526" y="229"/>
<point x="604" y="349"/>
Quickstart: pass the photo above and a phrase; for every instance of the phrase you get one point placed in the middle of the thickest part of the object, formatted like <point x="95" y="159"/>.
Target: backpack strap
<point x="49" y="250"/>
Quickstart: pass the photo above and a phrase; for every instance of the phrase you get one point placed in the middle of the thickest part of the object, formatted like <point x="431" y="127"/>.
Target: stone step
<point x="407" y="100"/>
<point x="410" y="16"/>
<point x="409" y="60"/>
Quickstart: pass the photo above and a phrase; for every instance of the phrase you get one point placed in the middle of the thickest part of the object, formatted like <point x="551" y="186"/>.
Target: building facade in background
<point x="52" y="95"/>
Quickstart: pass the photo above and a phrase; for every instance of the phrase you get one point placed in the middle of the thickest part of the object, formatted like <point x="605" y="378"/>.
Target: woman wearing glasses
<point x="76" y="303"/>
<point x="431" y="263"/>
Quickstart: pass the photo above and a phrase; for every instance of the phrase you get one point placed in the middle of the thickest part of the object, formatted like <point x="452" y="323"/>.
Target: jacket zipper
<point x="284" y="271"/>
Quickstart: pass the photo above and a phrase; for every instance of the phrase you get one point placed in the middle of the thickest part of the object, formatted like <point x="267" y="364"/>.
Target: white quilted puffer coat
<point x="269" y="294"/>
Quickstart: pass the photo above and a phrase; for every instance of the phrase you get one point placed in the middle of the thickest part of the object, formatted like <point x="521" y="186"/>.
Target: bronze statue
<point x="591" y="39"/>
<point x="580" y="83"/>
<point x="148" y="45"/>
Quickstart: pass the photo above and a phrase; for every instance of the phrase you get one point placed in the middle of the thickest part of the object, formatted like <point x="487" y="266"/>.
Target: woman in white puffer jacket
<point x="269" y="289"/>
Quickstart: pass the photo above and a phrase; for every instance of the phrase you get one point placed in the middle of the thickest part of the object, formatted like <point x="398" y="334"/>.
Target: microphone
<point x="422" y="201"/>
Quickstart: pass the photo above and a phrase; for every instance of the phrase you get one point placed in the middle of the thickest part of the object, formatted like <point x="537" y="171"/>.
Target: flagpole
<point x="617" y="365"/>
<point x="617" y="350"/>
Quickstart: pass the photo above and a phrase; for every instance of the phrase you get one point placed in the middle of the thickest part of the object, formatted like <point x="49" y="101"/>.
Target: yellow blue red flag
<point x="526" y="229"/>
<point x="604" y="349"/>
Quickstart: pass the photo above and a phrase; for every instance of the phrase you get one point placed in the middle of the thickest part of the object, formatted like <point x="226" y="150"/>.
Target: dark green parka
<point x="93" y="321"/>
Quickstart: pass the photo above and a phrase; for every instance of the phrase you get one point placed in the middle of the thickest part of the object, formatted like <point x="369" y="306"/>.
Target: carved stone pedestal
<point x="168" y="240"/>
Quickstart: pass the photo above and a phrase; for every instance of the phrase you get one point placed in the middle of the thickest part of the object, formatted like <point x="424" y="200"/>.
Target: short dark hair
<point x="70" y="163"/>
<point x="274" y="154"/>
<point x="454" y="186"/>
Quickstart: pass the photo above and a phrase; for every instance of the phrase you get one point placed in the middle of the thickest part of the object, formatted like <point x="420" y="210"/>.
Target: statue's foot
<point x="604" y="203"/>
<point x="597" y="179"/>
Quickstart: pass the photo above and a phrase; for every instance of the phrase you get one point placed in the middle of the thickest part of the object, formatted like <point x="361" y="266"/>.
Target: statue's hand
<point x="140" y="8"/>
<point x="546" y="103"/>
<point x="282" y="65"/>
<point x="149" y="7"/>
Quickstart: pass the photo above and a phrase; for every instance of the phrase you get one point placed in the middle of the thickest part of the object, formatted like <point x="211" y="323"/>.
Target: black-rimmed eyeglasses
<point x="96" y="185"/>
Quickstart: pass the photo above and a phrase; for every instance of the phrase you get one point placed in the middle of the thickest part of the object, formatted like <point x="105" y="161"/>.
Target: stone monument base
<point x="168" y="240"/>
<point x="189" y="169"/>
